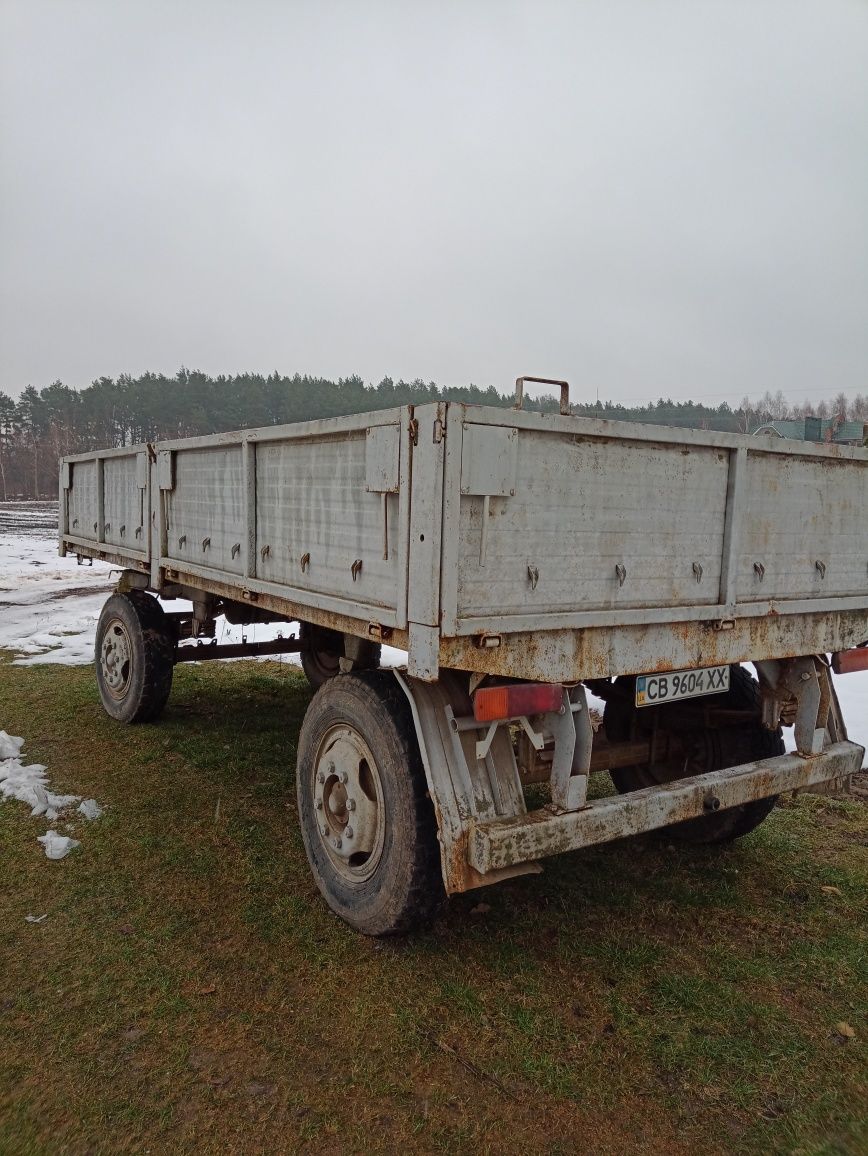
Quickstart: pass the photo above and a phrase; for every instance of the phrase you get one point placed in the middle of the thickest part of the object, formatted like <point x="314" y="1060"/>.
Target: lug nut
<point x="337" y="842"/>
<point x="320" y="778"/>
<point x="319" y="804"/>
<point x="348" y="832"/>
<point x="330" y="767"/>
<point x="343" y="776"/>
<point x="324" y="829"/>
<point x="351" y="804"/>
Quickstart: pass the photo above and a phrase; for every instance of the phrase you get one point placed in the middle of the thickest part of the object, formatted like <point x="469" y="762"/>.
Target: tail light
<point x="849" y="661"/>
<point x="493" y="703"/>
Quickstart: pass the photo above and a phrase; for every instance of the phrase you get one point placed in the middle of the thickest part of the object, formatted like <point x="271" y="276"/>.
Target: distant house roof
<point x="816" y="429"/>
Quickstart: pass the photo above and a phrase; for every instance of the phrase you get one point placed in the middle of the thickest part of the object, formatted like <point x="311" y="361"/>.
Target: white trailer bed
<point x="510" y="545"/>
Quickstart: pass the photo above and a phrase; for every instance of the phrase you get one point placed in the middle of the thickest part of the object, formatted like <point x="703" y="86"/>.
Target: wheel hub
<point x="116" y="659"/>
<point x="348" y="803"/>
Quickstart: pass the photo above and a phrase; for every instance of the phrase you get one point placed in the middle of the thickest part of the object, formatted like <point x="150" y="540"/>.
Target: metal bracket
<point x="564" y="386"/>
<point x="571" y="759"/>
<point x="796" y="680"/>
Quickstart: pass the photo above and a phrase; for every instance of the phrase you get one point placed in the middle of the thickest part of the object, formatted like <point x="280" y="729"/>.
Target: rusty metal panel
<point x="320" y="526"/>
<point x="124" y="503"/>
<point x="204" y="509"/>
<point x="805" y="532"/>
<point x="624" y="548"/>
<point x="82" y="500"/>
<point x="593" y="524"/>
<point x="567" y="654"/>
<point x="502" y="843"/>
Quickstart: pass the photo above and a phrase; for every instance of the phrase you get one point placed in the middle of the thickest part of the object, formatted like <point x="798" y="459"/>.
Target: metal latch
<point x="439" y="430"/>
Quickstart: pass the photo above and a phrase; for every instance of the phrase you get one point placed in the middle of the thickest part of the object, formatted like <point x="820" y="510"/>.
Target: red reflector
<point x="848" y="661"/>
<point x="498" y="702"/>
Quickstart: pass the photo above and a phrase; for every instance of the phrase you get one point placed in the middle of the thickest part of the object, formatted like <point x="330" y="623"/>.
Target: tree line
<point x="45" y="424"/>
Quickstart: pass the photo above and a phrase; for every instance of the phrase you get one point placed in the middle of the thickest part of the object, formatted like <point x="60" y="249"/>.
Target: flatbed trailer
<point x="521" y="560"/>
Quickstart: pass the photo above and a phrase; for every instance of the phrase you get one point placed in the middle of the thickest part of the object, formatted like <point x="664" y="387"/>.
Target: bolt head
<point x="319" y="804"/>
<point x="324" y="829"/>
<point x="351" y="804"/>
<point x="343" y="776"/>
<point x="348" y="832"/>
<point x="320" y="778"/>
<point x="330" y="767"/>
<point x="337" y="842"/>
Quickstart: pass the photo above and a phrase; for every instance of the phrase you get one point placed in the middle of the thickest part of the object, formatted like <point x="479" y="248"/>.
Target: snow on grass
<point x="29" y="784"/>
<point x="57" y="846"/>
<point x="50" y="606"/>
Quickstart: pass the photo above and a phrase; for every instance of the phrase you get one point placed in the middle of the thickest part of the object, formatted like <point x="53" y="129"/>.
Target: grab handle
<point x="565" y="391"/>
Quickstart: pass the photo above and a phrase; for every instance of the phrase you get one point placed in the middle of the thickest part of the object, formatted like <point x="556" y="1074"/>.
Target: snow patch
<point x="10" y="746"/>
<point x="29" y="784"/>
<point x="57" y="846"/>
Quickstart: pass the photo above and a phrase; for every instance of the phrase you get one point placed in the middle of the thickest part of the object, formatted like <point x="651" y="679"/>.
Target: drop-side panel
<point x="316" y="513"/>
<point x="104" y="504"/>
<point x="804" y="530"/>
<point x="592" y="524"/>
<point x="82" y="511"/>
<point x="327" y="516"/>
<point x="125" y="484"/>
<point x="205" y="507"/>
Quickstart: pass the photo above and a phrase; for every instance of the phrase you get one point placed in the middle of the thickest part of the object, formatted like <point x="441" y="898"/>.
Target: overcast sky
<point x="645" y="198"/>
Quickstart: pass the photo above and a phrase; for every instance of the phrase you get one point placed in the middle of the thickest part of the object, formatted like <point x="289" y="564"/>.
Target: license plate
<point x="652" y="689"/>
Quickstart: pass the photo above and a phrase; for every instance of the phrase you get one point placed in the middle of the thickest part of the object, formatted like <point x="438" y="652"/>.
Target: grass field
<point x="190" y="992"/>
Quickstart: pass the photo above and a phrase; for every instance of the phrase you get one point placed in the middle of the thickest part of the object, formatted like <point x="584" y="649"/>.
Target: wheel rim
<point x="348" y="803"/>
<point x="116" y="659"/>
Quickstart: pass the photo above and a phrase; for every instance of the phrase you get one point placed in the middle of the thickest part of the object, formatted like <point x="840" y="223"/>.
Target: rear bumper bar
<point x="520" y="839"/>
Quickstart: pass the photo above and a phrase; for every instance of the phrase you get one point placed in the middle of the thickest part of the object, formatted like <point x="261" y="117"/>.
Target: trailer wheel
<point x="366" y="819"/>
<point x="702" y="749"/>
<point x="323" y="649"/>
<point x="134" y="657"/>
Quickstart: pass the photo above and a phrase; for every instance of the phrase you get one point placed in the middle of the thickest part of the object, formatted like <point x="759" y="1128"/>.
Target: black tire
<point x="322" y="650"/>
<point x="707" y="750"/>
<point x="395" y="884"/>
<point x="134" y="657"/>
